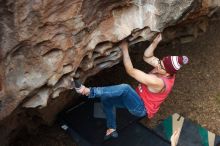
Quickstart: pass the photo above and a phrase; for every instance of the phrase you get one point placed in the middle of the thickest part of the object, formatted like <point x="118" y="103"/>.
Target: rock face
<point x="43" y="44"/>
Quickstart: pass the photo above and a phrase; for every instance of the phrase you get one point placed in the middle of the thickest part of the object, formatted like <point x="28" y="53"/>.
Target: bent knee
<point x="138" y="113"/>
<point x="125" y="86"/>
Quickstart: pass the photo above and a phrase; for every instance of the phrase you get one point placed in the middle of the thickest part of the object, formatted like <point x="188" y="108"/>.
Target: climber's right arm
<point x="149" y="52"/>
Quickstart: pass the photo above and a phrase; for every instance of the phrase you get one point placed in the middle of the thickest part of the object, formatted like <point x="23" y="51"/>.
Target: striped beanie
<point x="173" y="63"/>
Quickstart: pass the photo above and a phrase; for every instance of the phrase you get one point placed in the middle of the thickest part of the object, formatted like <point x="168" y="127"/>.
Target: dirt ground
<point x="196" y="93"/>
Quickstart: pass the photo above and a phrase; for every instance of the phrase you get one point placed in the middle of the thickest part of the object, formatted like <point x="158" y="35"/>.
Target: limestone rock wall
<point x="45" y="43"/>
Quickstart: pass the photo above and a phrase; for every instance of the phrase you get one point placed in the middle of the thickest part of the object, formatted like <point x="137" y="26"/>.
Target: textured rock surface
<point x="46" y="43"/>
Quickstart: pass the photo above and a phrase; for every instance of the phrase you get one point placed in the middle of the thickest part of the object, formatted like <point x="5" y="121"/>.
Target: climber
<point x="153" y="89"/>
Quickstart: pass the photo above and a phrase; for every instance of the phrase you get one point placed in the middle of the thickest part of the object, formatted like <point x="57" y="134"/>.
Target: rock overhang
<point x="46" y="43"/>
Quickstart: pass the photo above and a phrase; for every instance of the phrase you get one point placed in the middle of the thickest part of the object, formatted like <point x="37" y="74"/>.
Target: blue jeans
<point x="121" y="96"/>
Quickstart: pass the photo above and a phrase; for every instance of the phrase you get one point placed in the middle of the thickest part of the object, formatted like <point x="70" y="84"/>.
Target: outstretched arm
<point x="149" y="52"/>
<point x="147" y="79"/>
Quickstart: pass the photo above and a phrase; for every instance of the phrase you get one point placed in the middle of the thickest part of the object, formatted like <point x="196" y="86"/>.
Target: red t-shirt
<point x="152" y="100"/>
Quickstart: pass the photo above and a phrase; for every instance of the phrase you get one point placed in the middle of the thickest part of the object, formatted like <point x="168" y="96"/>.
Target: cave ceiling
<point x="46" y="43"/>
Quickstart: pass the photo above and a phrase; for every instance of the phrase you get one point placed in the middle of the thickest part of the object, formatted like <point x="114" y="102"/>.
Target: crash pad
<point x="192" y="134"/>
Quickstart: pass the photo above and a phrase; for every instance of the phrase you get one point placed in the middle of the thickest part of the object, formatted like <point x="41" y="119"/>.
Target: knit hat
<point x="173" y="63"/>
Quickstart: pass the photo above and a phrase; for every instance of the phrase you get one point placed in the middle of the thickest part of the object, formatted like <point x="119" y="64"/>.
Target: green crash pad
<point x="191" y="133"/>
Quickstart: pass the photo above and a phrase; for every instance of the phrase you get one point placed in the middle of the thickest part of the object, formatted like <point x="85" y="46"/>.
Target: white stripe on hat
<point x="175" y="62"/>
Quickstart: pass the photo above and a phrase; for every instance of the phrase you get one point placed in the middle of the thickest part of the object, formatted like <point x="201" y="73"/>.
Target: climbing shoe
<point x="78" y="86"/>
<point x="114" y="134"/>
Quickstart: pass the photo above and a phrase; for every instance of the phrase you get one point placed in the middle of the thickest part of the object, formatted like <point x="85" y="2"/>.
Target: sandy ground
<point x="196" y="94"/>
